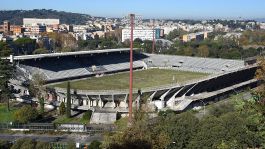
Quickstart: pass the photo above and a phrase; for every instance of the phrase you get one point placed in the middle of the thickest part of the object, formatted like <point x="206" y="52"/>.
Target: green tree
<point x="188" y="51"/>
<point x="87" y="115"/>
<point x="6" y="73"/>
<point x="210" y="132"/>
<point x="42" y="103"/>
<point x="180" y="128"/>
<point x="62" y="108"/>
<point x="227" y="145"/>
<point x="203" y="51"/>
<point x="147" y="46"/>
<point x="141" y="134"/>
<point x="95" y="145"/>
<point x="175" y="33"/>
<point x="24" y="143"/>
<point x="18" y="143"/>
<point x="220" y="109"/>
<point x="37" y="88"/>
<point x="71" y="145"/>
<point x="42" y="145"/>
<point x="40" y="51"/>
<point x="107" y="44"/>
<point x="26" y="114"/>
<point x="25" y="45"/>
<point x="5" y="144"/>
<point x="137" y="43"/>
<point x="5" y="50"/>
<point x="68" y="102"/>
<point x="28" y="144"/>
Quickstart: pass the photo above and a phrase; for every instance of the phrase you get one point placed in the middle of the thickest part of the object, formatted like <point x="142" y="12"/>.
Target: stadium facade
<point x="226" y="77"/>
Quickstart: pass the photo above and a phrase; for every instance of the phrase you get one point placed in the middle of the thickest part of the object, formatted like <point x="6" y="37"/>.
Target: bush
<point x="62" y="109"/>
<point x="87" y="115"/>
<point x="26" y="114"/>
<point x="71" y="145"/>
<point x="118" y="116"/>
<point x="221" y="109"/>
<point x="42" y="145"/>
<point x="95" y="145"/>
<point x="24" y="144"/>
<point x="4" y="144"/>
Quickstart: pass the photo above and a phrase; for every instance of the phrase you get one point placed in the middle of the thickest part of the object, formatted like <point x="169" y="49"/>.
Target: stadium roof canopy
<point x="39" y="56"/>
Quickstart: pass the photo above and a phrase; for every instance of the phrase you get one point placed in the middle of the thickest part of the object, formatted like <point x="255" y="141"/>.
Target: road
<point x="80" y="138"/>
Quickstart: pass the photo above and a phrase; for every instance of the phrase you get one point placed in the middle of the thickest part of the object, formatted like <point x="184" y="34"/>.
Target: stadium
<point x="99" y="79"/>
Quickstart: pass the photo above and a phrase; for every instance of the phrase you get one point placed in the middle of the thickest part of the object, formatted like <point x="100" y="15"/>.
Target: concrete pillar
<point x="94" y="102"/>
<point x="125" y="103"/>
<point x="100" y="103"/>
<point x="152" y="96"/>
<point x="87" y="101"/>
<point x="112" y="98"/>
<point x="58" y="98"/>
<point x="164" y="95"/>
<point x="91" y="103"/>
<point x="136" y="103"/>
<point x="171" y="101"/>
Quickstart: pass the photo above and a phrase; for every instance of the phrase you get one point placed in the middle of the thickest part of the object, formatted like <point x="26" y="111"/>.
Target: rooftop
<point x="38" y="56"/>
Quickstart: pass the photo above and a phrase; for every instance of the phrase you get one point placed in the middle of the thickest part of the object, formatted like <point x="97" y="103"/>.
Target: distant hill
<point x="260" y="20"/>
<point x="16" y="16"/>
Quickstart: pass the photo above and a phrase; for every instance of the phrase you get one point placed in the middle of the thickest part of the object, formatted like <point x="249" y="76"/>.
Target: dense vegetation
<point x="229" y="48"/>
<point x="237" y="124"/>
<point x="16" y="16"/>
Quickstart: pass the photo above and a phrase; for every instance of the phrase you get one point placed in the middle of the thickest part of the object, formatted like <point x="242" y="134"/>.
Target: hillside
<point x="16" y="16"/>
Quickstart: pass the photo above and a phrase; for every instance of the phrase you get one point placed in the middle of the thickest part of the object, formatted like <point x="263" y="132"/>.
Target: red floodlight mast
<point x="153" y="46"/>
<point x="132" y="17"/>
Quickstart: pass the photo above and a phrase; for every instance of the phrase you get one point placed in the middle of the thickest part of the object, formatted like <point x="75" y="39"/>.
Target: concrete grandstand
<point x="226" y="77"/>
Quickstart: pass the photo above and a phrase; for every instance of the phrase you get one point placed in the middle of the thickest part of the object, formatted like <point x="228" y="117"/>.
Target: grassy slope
<point x="6" y="116"/>
<point x="142" y="79"/>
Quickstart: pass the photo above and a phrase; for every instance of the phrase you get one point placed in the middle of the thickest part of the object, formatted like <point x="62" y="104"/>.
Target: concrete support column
<point x="100" y="102"/>
<point x="136" y="103"/>
<point x="162" y="98"/>
<point x="112" y="98"/>
<point x="58" y="98"/>
<point x="124" y="103"/>
<point x="171" y="101"/>
<point x="87" y="101"/>
<point x="94" y="102"/>
<point x="152" y="96"/>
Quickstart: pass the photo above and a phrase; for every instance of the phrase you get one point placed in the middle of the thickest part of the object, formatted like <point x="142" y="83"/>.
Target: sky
<point x="171" y="9"/>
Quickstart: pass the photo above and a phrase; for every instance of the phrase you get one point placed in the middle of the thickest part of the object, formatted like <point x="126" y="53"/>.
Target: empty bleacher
<point x="59" y="68"/>
<point x="69" y="67"/>
<point x="195" y="64"/>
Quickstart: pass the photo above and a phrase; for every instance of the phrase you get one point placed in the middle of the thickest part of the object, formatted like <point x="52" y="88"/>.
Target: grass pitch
<point x="142" y="79"/>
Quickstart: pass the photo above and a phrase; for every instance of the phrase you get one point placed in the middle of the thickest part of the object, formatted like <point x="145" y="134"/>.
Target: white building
<point x="143" y="34"/>
<point x="27" y="22"/>
<point x="262" y="26"/>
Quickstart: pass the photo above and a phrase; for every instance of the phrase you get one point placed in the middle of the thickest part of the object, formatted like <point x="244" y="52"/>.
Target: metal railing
<point x="57" y="127"/>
